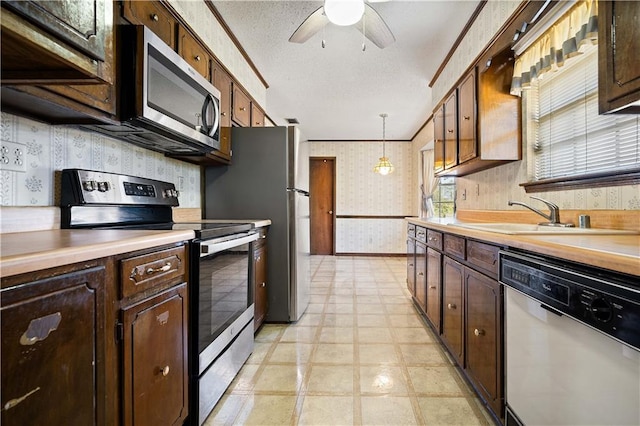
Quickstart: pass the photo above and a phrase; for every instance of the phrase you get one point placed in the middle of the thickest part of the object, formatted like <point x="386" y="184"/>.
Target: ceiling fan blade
<point x="375" y="29"/>
<point x="310" y="26"/>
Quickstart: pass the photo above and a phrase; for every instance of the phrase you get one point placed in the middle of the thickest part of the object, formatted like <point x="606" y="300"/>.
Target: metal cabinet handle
<point x="330" y="212"/>
<point x="164" y="268"/>
<point x="411" y="264"/>
<point x="433" y="287"/>
<point x="242" y="109"/>
<point x="478" y="332"/>
<point x="154" y="17"/>
<point x="420" y="273"/>
<point x="258" y="259"/>
<point x="449" y="130"/>
<point x="164" y="371"/>
<point x="451" y="306"/>
<point x="263" y="285"/>
<point x="466" y="117"/>
<point x="197" y="58"/>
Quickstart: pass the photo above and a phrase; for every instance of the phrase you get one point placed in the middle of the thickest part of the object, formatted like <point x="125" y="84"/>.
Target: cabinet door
<point x="222" y="81"/>
<point x="483" y="336"/>
<point x="434" y="300"/>
<point x="260" y="283"/>
<point x="452" y="308"/>
<point x="153" y="15"/>
<point x="438" y="139"/>
<point x="421" y="276"/>
<point x="155" y="359"/>
<point x="411" y="266"/>
<point x="257" y="116"/>
<point x="467" y="146"/>
<point x="194" y="53"/>
<point x="241" y="113"/>
<point x="619" y="70"/>
<point x="53" y="350"/>
<point x="451" y="131"/>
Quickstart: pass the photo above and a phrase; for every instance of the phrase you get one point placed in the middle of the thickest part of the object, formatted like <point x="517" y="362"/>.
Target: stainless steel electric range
<point x="221" y="307"/>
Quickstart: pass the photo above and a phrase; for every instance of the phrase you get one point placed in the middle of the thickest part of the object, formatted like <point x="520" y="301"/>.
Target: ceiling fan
<point x="346" y="12"/>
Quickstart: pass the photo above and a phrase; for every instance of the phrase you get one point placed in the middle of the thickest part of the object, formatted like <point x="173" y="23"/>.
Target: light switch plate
<point x="13" y="156"/>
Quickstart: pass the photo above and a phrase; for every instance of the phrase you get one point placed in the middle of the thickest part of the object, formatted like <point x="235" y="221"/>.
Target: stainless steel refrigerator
<point x="269" y="179"/>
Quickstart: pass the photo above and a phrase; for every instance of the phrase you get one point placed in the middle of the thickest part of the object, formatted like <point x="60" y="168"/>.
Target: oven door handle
<point x="215" y="247"/>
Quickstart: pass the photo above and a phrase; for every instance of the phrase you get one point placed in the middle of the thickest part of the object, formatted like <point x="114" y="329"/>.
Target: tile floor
<point x="360" y="355"/>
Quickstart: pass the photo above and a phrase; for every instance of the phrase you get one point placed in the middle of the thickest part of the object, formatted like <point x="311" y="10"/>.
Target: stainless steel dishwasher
<point x="572" y="342"/>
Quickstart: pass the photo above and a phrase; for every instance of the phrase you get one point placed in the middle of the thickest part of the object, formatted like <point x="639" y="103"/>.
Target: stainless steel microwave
<point x="164" y="104"/>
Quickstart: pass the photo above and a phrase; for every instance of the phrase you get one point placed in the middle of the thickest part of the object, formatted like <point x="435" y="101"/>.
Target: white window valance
<point x="562" y="40"/>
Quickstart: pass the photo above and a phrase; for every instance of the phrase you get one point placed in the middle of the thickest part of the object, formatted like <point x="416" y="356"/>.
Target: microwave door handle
<point x="210" y="101"/>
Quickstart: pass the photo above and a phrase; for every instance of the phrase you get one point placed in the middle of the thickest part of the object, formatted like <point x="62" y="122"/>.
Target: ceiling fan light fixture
<point x="344" y="12"/>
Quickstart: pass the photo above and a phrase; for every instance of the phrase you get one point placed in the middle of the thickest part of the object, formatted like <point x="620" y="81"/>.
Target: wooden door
<point x="467" y="147"/>
<point x="434" y="261"/>
<point x="322" y="176"/>
<point x="421" y="276"/>
<point x="260" y="283"/>
<point x="438" y="138"/>
<point x="451" y="131"/>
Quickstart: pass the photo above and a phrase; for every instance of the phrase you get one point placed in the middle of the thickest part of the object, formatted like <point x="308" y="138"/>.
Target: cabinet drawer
<point x="484" y="256"/>
<point x="411" y="230"/>
<point x="194" y="53"/>
<point x="147" y="271"/>
<point x="153" y="15"/>
<point x="454" y="245"/>
<point x="241" y="113"/>
<point x="434" y="239"/>
<point x="421" y="234"/>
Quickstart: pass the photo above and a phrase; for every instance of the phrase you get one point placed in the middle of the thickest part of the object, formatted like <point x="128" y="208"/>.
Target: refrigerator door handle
<point x="299" y="191"/>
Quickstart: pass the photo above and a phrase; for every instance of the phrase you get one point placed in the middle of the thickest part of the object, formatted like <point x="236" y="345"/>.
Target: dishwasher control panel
<point x="608" y="302"/>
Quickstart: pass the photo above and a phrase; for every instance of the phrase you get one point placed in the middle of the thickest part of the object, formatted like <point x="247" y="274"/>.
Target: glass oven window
<point x="223" y="292"/>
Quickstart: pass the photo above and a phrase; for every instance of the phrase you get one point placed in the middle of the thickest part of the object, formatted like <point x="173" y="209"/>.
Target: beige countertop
<point x="615" y="252"/>
<point x="22" y="252"/>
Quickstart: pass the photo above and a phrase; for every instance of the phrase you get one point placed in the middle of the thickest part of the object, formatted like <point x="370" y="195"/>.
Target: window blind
<point x="569" y="137"/>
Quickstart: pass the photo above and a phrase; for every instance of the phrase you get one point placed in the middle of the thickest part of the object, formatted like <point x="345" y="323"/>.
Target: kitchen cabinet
<point x="421" y="275"/>
<point x="241" y="107"/>
<point x="438" y="139"/>
<point x="54" y="332"/>
<point x="618" y="59"/>
<point x="411" y="259"/>
<point x="260" y="279"/>
<point x="453" y="308"/>
<point x="483" y="319"/>
<point x="194" y="53"/>
<point x="56" y="41"/>
<point x="467" y="146"/>
<point x="257" y="116"/>
<point x="222" y="81"/>
<point x="155" y="359"/>
<point x="75" y="87"/>
<point x="154" y="339"/>
<point x="434" y="299"/>
<point x="450" y="124"/>
<point x="152" y="14"/>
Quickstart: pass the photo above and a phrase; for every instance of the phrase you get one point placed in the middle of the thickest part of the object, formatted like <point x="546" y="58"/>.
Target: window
<point x="565" y="135"/>
<point x="444" y="197"/>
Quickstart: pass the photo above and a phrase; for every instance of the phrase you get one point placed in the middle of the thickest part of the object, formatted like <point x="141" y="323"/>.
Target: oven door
<point x="222" y="300"/>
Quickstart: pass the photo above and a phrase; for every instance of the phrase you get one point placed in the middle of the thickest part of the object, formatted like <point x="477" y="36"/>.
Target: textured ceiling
<point x="338" y="93"/>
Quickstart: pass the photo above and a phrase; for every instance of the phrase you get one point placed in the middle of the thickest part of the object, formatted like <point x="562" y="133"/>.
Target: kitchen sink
<point x="532" y="229"/>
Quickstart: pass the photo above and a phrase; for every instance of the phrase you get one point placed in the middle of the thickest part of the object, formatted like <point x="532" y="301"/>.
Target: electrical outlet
<point x="13" y="156"/>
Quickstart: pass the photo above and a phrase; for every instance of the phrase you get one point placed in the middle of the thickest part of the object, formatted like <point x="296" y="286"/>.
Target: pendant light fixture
<point x="344" y="12"/>
<point x="384" y="166"/>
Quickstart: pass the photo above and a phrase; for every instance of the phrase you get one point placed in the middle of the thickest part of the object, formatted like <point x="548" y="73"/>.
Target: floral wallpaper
<point x="50" y="148"/>
<point x="361" y="192"/>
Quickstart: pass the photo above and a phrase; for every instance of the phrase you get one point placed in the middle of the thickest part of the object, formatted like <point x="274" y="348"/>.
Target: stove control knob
<point x="103" y="186"/>
<point x="89" y="185"/>
<point x="601" y="310"/>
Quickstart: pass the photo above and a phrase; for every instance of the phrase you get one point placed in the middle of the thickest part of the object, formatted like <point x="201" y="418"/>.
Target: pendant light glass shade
<point x="344" y="12"/>
<point x="384" y="166"/>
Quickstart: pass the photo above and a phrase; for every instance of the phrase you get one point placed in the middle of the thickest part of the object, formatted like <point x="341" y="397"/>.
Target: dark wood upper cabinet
<point x="241" y="104"/>
<point x="467" y="146"/>
<point x="618" y="56"/>
<point x="451" y="131"/>
<point x="153" y="15"/>
<point x="223" y="82"/>
<point x="194" y="53"/>
<point x="257" y="116"/>
<point x="56" y="41"/>
<point x="438" y="139"/>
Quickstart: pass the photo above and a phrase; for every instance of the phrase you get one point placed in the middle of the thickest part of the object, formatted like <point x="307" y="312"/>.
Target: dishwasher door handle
<point x="550" y="309"/>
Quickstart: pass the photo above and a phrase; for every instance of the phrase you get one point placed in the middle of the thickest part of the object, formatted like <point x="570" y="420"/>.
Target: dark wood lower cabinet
<point x="434" y="300"/>
<point x="411" y="266"/>
<point x="53" y="350"/>
<point x="155" y="379"/>
<point x="453" y="308"/>
<point x="483" y="336"/>
<point x="421" y="276"/>
<point x="260" y="284"/>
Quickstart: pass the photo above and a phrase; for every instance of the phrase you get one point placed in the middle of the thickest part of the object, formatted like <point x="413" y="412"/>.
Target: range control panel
<point x="87" y="187"/>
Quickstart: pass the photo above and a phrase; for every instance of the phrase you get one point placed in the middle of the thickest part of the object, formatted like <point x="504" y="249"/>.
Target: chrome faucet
<point x="554" y="212"/>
